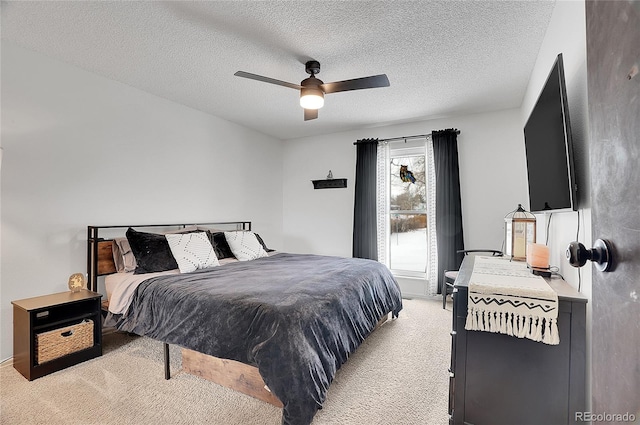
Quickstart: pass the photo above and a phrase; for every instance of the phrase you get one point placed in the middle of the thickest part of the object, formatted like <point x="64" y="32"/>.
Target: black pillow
<point x="263" y="244"/>
<point x="152" y="252"/>
<point x="220" y="245"/>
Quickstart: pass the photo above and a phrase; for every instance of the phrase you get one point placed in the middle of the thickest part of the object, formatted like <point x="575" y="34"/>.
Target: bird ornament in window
<point x="406" y="175"/>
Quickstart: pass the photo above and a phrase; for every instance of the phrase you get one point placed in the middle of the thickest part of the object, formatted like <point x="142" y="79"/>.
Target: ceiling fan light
<point x="311" y="98"/>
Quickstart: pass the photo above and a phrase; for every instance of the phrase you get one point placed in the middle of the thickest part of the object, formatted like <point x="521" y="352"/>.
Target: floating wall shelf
<point x="329" y="183"/>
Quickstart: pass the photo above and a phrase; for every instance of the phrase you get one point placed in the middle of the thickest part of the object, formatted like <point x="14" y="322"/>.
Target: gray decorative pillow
<point x="192" y="251"/>
<point x="123" y="257"/>
<point x="244" y="245"/>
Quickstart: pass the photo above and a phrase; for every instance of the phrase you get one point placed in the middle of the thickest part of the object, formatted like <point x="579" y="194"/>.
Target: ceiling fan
<point x="312" y="90"/>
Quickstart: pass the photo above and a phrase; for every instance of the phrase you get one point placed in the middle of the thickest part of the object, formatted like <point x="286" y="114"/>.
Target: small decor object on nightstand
<point x="330" y="175"/>
<point x="77" y="282"/>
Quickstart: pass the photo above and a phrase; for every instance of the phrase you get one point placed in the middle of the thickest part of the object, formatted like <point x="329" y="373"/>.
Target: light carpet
<point x="397" y="376"/>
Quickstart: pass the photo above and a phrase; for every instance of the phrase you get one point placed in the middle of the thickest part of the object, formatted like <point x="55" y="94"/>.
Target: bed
<point x="277" y="325"/>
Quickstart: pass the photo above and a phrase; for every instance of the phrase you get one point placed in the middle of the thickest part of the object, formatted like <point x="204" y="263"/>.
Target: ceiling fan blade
<point x="371" y="82"/>
<point x="267" y="80"/>
<point x="310" y="114"/>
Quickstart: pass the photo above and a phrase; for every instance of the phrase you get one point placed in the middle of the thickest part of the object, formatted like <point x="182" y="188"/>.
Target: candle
<point x="538" y="255"/>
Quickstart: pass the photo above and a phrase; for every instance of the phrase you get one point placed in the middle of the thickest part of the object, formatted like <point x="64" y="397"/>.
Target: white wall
<point x="83" y="150"/>
<point x="567" y="35"/>
<point x="492" y="179"/>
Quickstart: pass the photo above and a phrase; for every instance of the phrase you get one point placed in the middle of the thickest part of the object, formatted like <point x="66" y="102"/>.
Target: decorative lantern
<point x="519" y="231"/>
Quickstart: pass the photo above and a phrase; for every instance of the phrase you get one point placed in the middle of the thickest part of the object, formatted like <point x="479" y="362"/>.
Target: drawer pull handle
<point x="453" y="333"/>
<point x="66" y="334"/>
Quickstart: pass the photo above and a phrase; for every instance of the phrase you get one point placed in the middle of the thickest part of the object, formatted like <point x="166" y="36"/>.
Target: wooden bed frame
<point x="228" y="373"/>
<point x="232" y="374"/>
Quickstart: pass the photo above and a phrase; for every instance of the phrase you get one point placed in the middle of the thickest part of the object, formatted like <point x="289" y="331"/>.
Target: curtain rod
<point x="417" y="136"/>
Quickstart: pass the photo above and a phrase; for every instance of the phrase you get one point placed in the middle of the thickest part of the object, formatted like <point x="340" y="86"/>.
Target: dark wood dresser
<point x="497" y="379"/>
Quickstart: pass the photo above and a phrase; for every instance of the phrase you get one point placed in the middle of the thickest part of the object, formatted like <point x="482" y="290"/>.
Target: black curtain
<point x="365" y="241"/>
<point x="448" y="204"/>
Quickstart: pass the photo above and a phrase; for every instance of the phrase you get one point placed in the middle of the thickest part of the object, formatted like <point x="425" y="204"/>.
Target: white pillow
<point x="192" y="251"/>
<point x="245" y="245"/>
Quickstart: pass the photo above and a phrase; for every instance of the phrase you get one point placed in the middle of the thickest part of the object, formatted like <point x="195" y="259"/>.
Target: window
<point x="405" y="206"/>
<point x="408" y="253"/>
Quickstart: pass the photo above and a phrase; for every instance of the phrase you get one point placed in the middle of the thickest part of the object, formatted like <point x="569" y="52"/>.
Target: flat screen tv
<point x="549" y="151"/>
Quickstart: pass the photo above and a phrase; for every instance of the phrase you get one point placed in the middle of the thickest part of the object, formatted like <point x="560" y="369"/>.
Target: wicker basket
<point x="60" y="342"/>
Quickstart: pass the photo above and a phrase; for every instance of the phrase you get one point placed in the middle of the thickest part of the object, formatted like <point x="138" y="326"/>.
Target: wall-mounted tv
<point x="548" y="145"/>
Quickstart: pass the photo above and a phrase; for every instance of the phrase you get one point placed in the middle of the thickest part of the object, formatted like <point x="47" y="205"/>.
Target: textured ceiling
<point x="442" y="58"/>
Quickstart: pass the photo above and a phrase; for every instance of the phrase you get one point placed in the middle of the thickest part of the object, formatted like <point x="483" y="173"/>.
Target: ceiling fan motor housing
<point x="311" y="82"/>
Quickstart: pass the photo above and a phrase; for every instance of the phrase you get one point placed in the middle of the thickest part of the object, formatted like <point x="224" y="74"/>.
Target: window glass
<point x="408" y="248"/>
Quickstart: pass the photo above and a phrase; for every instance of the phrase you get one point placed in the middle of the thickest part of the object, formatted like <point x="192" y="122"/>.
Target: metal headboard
<point x="96" y="244"/>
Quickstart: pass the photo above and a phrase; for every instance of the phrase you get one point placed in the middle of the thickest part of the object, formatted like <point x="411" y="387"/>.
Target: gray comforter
<point x="295" y="317"/>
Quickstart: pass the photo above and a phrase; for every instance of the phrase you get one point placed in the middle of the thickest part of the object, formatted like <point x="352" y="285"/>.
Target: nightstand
<point x="56" y="331"/>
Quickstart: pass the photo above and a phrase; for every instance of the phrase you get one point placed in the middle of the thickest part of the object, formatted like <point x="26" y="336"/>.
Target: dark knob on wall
<point x="578" y="254"/>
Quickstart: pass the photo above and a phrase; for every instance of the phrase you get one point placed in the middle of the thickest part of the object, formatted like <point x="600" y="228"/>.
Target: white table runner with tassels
<point x="505" y="297"/>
